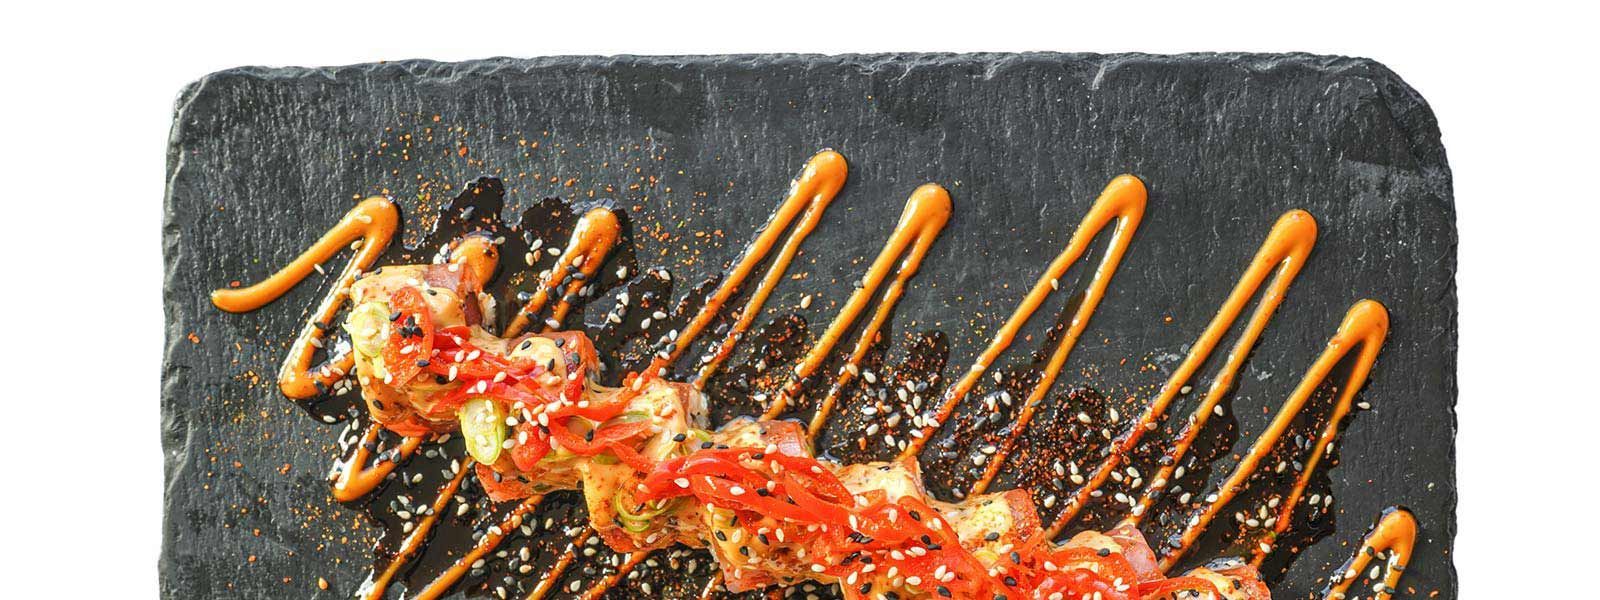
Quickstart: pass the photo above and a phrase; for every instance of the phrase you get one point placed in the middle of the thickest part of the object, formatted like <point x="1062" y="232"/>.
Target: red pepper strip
<point x="519" y="392"/>
<point x="825" y="483"/>
<point x="527" y="455"/>
<point x="482" y="367"/>
<point x="1114" y="568"/>
<point x="486" y="365"/>
<point x="661" y="481"/>
<point x="818" y="510"/>
<point x="1168" y="587"/>
<point x="875" y="522"/>
<point x="601" y="439"/>
<point x="1077" y="583"/>
<point x="412" y="308"/>
<point x="598" y="411"/>
<point x="599" y="407"/>
<point x="818" y="479"/>
<point x="410" y="425"/>
<point x="967" y="584"/>
<point x="720" y="493"/>
<point x="632" y="457"/>
<point x="713" y="474"/>
<point x="447" y="402"/>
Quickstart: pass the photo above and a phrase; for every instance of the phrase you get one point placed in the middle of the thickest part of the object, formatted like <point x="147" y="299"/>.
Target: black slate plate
<point x="261" y="160"/>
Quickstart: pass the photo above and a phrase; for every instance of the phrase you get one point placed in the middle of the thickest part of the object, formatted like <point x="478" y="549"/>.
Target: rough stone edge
<point x="995" y="62"/>
<point x="174" y="425"/>
<point x="1415" y="117"/>
<point x="1407" y="107"/>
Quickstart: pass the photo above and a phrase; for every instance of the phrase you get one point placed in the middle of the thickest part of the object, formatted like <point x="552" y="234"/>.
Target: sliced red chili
<point x="599" y="440"/>
<point x="1077" y="583"/>
<point x="527" y="451"/>
<point x="1168" y="587"/>
<point x="631" y="457"/>
<point x="1112" y="567"/>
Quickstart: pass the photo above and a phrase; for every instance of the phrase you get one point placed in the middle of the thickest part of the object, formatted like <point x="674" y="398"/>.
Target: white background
<point x="87" y="100"/>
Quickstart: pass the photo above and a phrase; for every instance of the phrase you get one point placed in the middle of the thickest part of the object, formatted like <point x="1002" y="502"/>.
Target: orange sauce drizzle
<point x="593" y="238"/>
<point x="599" y="589"/>
<point x="1396" y="534"/>
<point x="1364" y="329"/>
<point x="1281" y="256"/>
<point x="811" y="192"/>
<point x="490" y="540"/>
<point x="357" y="478"/>
<point x="1121" y="207"/>
<point x="925" y="215"/>
<point x="373" y="589"/>
<point x="369" y="226"/>
<point x="548" y="581"/>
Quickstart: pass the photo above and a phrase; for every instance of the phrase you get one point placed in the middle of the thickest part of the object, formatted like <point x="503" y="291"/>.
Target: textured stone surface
<point x="262" y="159"/>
